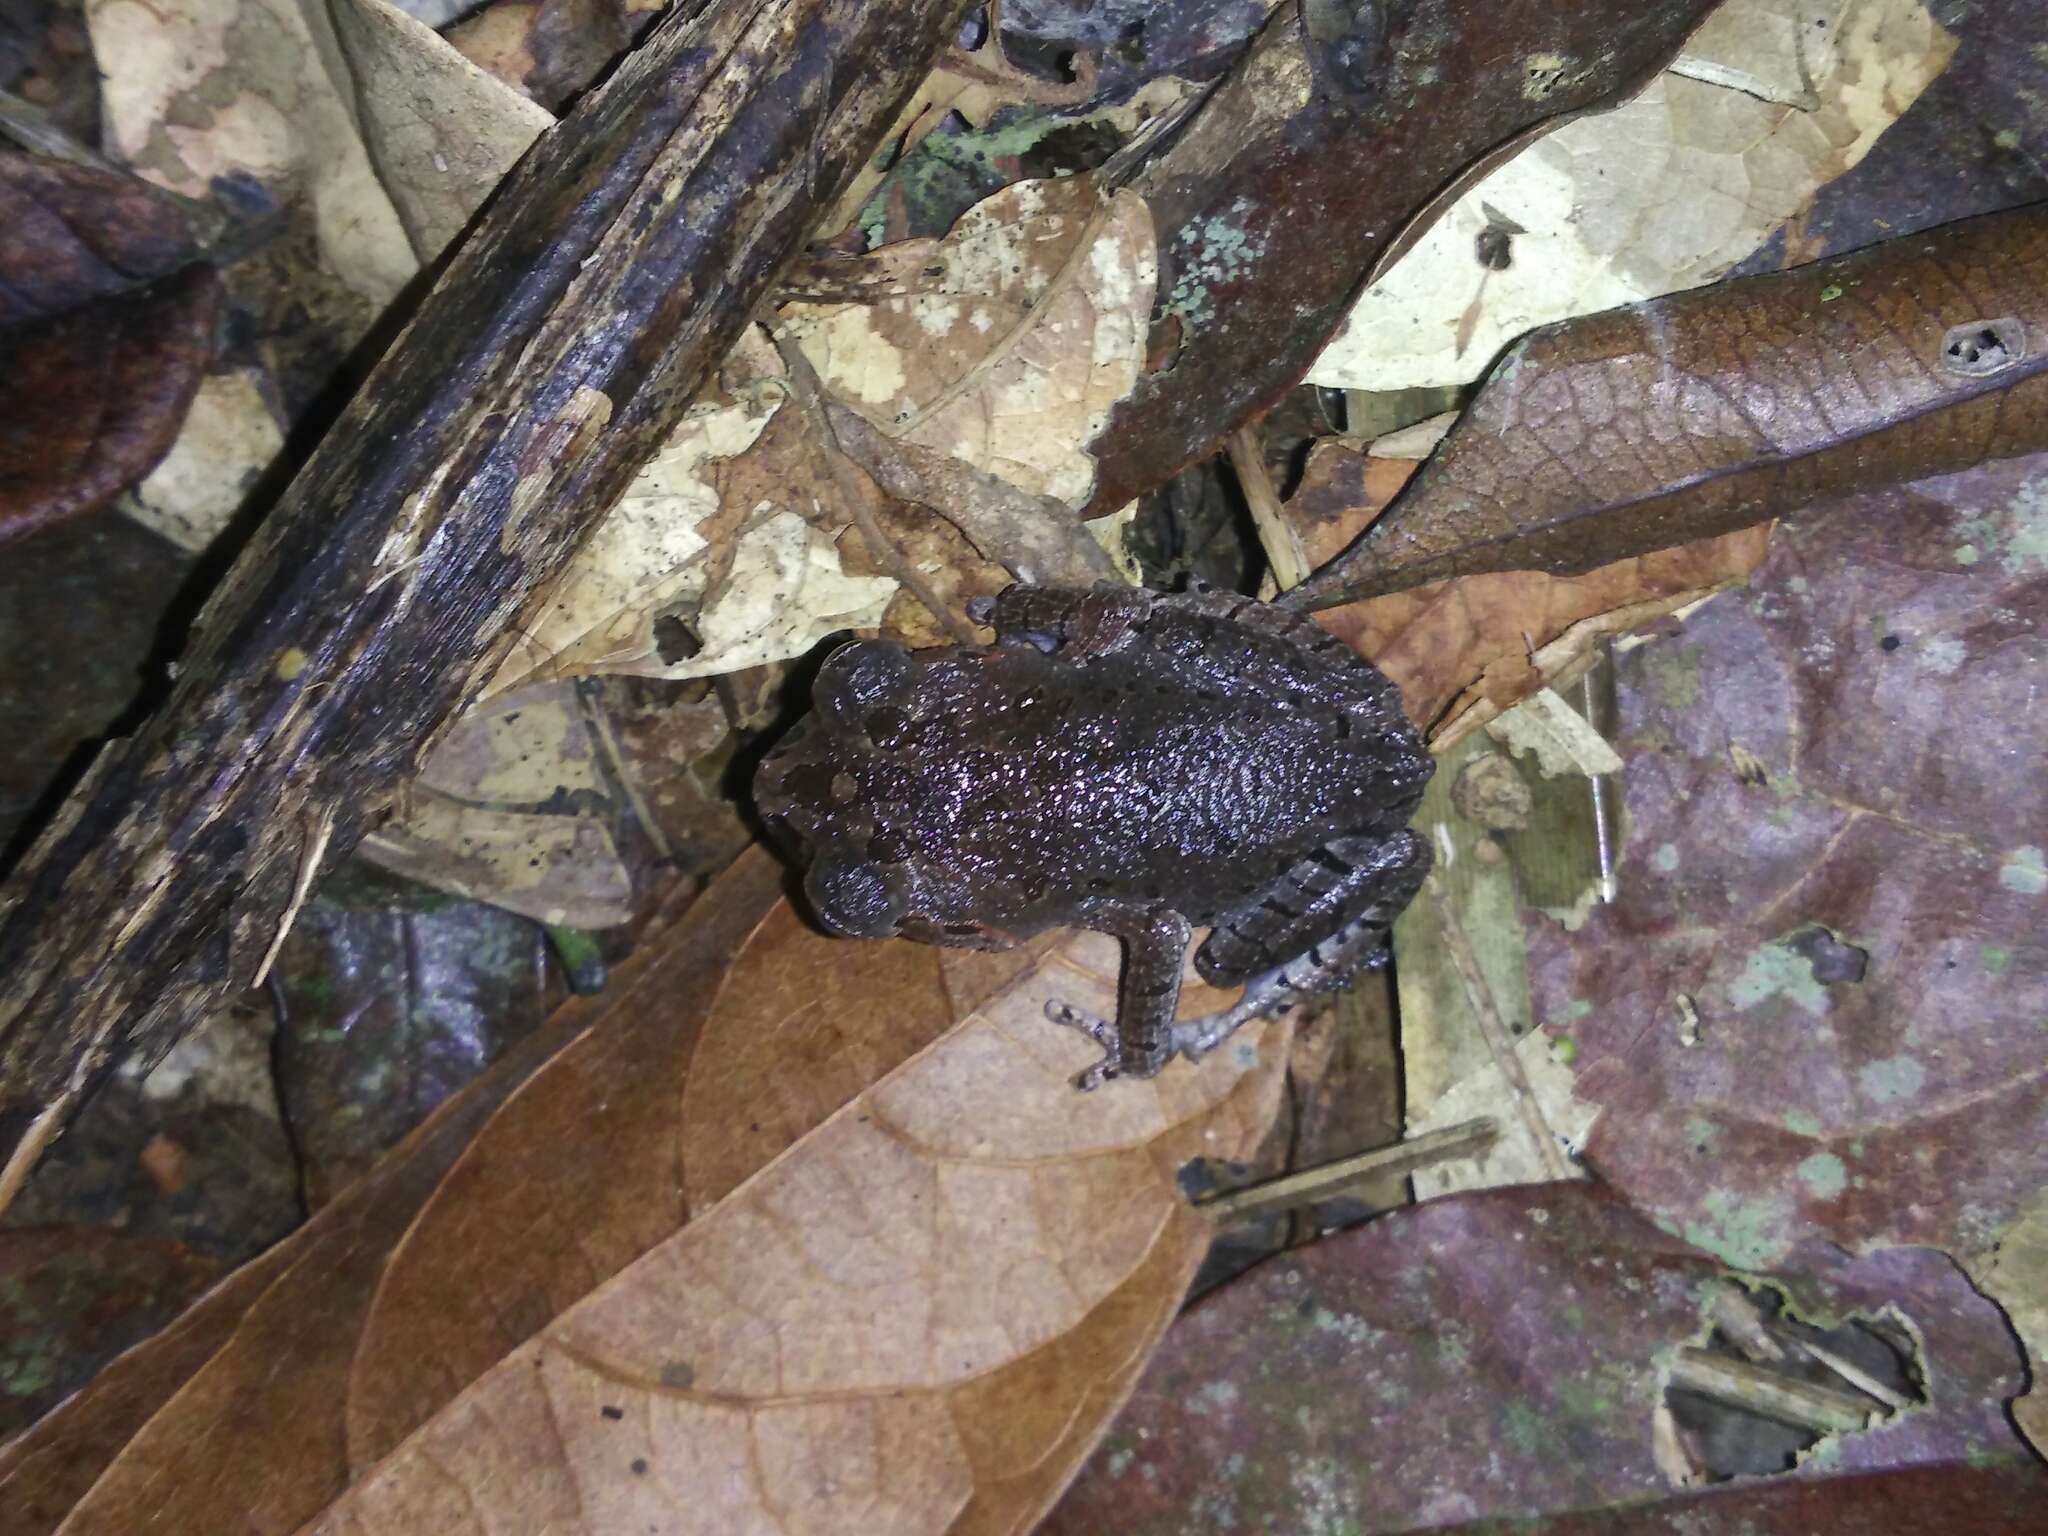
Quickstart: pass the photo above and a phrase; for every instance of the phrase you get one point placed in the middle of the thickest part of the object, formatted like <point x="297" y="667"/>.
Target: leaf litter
<point x="1465" y="653"/>
<point x="916" y="1255"/>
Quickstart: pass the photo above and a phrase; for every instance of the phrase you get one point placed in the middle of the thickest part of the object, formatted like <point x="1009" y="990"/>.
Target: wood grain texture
<point x="613" y="269"/>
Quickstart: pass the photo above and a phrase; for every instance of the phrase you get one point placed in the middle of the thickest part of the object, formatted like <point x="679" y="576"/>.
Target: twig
<point x="1039" y="539"/>
<point x="1469" y="1138"/>
<point x="1276" y="536"/>
<point x="803" y="388"/>
<point x="1495" y="1032"/>
<point x="1774" y="1394"/>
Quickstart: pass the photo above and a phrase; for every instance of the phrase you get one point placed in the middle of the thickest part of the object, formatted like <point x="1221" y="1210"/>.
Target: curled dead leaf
<point x="1603" y="438"/>
<point x="1466" y="650"/>
<point x="105" y="328"/>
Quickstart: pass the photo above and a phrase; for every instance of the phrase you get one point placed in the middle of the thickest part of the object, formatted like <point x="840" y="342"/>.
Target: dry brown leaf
<point x="793" y="1233"/>
<point x="1703" y="412"/>
<point x="1008" y="357"/>
<point x="1466" y="650"/>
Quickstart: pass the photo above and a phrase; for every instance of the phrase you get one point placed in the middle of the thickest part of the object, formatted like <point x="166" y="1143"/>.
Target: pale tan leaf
<point x="1014" y="355"/>
<point x="440" y="132"/>
<point x="230" y="436"/>
<point x="1770" y="101"/>
<point x="504" y="811"/>
<point x="193" y="90"/>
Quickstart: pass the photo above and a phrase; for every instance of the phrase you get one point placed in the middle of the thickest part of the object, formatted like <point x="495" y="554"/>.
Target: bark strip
<point x="609" y="275"/>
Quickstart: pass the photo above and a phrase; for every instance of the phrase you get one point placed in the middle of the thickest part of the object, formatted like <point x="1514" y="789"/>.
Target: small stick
<point x="1283" y="552"/>
<point x="1469" y="1138"/>
<point x="1772" y="1393"/>
<point x="803" y="388"/>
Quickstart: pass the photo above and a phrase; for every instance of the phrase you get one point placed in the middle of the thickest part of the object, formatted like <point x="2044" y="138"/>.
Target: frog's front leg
<point x="1141" y="1040"/>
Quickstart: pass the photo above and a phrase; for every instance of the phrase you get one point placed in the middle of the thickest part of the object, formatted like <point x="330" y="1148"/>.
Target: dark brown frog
<point x="1125" y="761"/>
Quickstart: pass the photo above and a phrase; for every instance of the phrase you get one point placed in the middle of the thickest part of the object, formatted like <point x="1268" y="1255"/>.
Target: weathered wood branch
<point x="613" y="270"/>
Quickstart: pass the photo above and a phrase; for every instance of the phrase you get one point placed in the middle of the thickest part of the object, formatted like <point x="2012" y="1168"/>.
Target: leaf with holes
<point x="1634" y="430"/>
<point x="1504" y="1355"/>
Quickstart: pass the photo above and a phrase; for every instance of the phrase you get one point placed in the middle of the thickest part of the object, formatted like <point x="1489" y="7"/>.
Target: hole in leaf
<point x="1984" y="347"/>
<point x="1763" y="1386"/>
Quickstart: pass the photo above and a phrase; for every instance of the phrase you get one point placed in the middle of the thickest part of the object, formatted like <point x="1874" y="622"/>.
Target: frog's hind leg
<point x="1333" y="888"/>
<point x="1312" y="928"/>
<point x="1140" y="1041"/>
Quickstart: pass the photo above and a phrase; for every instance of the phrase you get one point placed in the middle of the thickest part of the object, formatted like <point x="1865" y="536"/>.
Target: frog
<point x="1138" y="763"/>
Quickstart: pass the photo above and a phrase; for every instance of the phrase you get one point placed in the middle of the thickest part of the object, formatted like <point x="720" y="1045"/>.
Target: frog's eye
<point x="861" y="674"/>
<point x="855" y="898"/>
<point x="887" y="726"/>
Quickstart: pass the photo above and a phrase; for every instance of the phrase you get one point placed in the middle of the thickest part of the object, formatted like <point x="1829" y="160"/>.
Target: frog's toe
<point x="1100" y="1030"/>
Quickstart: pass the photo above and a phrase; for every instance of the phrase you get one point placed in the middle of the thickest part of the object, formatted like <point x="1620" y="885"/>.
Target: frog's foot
<point x="1101" y="1031"/>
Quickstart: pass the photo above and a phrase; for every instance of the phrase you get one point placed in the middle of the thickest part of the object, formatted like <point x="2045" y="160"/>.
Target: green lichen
<point x="1775" y="971"/>
<point x="1747" y="1233"/>
<point x="1893" y="1080"/>
<point x="2024" y="870"/>
<point x="1209" y="254"/>
<point x="1823" y="1175"/>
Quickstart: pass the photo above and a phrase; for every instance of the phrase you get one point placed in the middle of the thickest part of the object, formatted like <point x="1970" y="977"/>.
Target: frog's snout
<point x="856" y="898"/>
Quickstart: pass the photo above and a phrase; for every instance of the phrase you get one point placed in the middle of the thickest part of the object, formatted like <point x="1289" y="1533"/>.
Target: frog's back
<point x="1187" y="764"/>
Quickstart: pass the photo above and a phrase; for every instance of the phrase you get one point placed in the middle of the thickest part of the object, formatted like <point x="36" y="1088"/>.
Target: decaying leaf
<point x="780" y="1205"/>
<point x="726" y="525"/>
<point x="1006" y="357"/>
<point x="1814" y="1009"/>
<point x="1027" y="333"/>
<point x="229" y="437"/>
<point x="90" y="400"/>
<point x="1767" y="102"/>
<point x="105" y="329"/>
<point x="197" y="91"/>
<point x="517" y="806"/>
<point x="439" y="131"/>
<point x="2017" y="1279"/>
<point x="1500" y="1357"/>
<point x="1308" y="164"/>
<point x="1616" y="434"/>
<point x="1464" y="651"/>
